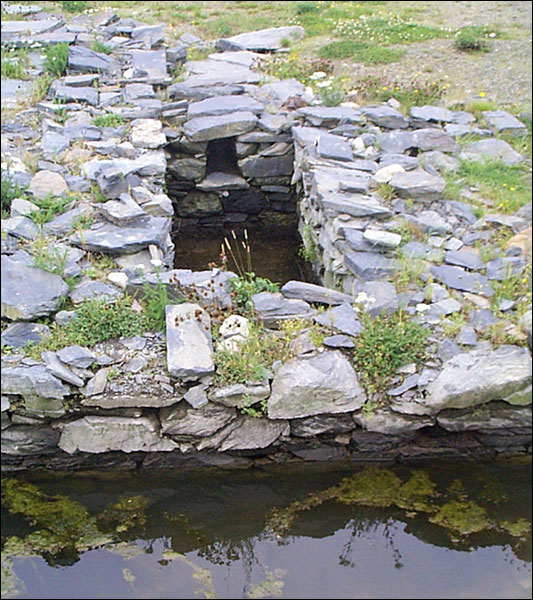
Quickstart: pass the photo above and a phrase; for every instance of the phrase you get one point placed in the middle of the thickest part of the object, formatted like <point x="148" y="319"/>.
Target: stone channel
<point x="226" y="149"/>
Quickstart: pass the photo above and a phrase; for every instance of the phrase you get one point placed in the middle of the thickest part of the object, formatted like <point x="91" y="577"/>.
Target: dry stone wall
<point x="221" y="147"/>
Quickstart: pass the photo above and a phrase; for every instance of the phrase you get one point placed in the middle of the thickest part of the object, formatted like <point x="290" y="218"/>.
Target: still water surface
<point x="307" y="531"/>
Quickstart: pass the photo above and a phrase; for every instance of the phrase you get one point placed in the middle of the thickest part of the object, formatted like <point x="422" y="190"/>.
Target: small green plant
<point x="99" y="46"/>
<point x="386" y="191"/>
<point x="49" y="207"/>
<point x="253" y="357"/>
<point x="155" y="300"/>
<point x="254" y="409"/>
<point x="82" y="222"/>
<point x="101" y="265"/>
<point x="56" y="61"/>
<point x="308" y="249"/>
<point x="289" y="66"/>
<point x="466" y="42"/>
<point x="10" y="191"/>
<point x="98" y="195"/>
<point x="15" y="63"/>
<point x="40" y="88"/>
<point x="95" y="321"/>
<point x="417" y="92"/>
<point x="385" y="344"/>
<point x="198" y="52"/>
<point x="74" y="6"/>
<point x="48" y="257"/>
<point x="108" y="120"/>
<point x="408" y="271"/>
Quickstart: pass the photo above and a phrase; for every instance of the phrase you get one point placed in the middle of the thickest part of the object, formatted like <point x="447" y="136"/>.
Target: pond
<point x="434" y="530"/>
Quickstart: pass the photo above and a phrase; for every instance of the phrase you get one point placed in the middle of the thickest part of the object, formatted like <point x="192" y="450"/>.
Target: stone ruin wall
<point x="323" y="164"/>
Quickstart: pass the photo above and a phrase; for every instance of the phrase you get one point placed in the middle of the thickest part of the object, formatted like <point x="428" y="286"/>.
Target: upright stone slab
<point x="323" y="384"/>
<point x="189" y="344"/>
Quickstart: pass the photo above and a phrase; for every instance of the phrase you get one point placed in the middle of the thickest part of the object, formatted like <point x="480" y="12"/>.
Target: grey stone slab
<point x="112" y="239"/>
<point x="447" y="349"/>
<point x="77" y="94"/>
<point x="76" y="356"/>
<point x="334" y="147"/>
<point x="53" y="143"/>
<point x="342" y="318"/>
<point x="29" y="27"/>
<point x="388" y="422"/>
<point x="20" y="227"/>
<point x="252" y="433"/>
<point x="273" y="307"/>
<point x="330" y="424"/>
<point x="369" y="266"/>
<point x="326" y="116"/>
<point x="184" y="422"/>
<point x="14" y="90"/>
<point x="32" y="382"/>
<point x="264" y="40"/>
<point x="211" y="107"/>
<point x="203" y="129"/>
<point x="447" y="306"/>
<point x="466" y="336"/>
<point x="502" y="121"/>
<point x="418" y="184"/>
<point x="434" y="114"/>
<point x="87" y="290"/>
<point x="187" y="90"/>
<point x="491" y="149"/>
<point x="355" y="205"/>
<point x="338" y="341"/>
<point x="28" y="440"/>
<point x="95" y="434"/>
<point x="149" y="35"/>
<point x="459" y="279"/>
<point x="396" y="142"/>
<point x="491" y="416"/>
<point x="377" y="297"/>
<point x="150" y="65"/>
<point x="84" y="59"/>
<point x="122" y="213"/>
<point x="464" y="258"/>
<point x="322" y="384"/>
<point x="240" y="395"/>
<point x="18" y="335"/>
<point x="382" y="239"/>
<point x="459" y="131"/>
<point x="385" y="116"/>
<point x="502" y="268"/>
<point x="434" y="139"/>
<point x="60" y="370"/>
<point x="392" y="158"/>
<point x="477" y="377"/>
<point x="189" y="344"/>
<point x="29" y="292"/>
<point x="271" y="166"/>
<point x="313" y="293"/>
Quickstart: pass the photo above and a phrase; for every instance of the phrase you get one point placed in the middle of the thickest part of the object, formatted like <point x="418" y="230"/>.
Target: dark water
<point x="215" y="534"/>
<point x="273" y="256"/>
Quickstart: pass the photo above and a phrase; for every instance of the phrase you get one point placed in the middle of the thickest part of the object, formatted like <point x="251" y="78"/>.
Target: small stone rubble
<point x="222" y="147"/>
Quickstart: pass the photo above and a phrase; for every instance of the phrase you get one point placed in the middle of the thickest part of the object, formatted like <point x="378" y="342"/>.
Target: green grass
<point x="108" y="121"/>
<point x="507" y="187"/>
<point x="384" y="345"/>
<point x="361" y="52"/>
<point x="99" y="46"/>
<point x="466" y="42"/>
<point x="49" y="207"/>
<point x="15" y="64"/>
<point x="10" y="191"/>
<point x="95" y="322"/>
<point x="55" y="63"/>
<point x="74" y="6"/>
<point x="392" y="29"/>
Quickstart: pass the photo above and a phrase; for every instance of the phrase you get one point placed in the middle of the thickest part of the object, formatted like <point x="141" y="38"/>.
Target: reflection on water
<point x="308" y="531"/>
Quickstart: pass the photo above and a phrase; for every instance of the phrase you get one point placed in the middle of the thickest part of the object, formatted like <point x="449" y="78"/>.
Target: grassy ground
<point x="406" y="44"/>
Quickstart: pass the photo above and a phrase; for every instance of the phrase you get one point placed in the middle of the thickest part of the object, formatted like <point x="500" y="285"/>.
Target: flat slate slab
<point x="369" y="266"/>
<point x="313" y="293"/>
<point x="203" y="129"/>
<point x="459" y="279"/>
<point x="265" y="40"/>
<point x="124" y="240"/>
<point x="87" y="60"/>
<point x="212" y="107"/>
<point x="491" y="149"/>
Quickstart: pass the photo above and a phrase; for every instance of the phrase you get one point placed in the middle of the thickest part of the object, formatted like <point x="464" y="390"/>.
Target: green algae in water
<point x="64" y="525"/>
<point x="519" y="528"/>
<point x="128" y="512"/>
<point x="373" y="486"/>
<point x="416" y="493"/>
<point x="462" y="517"/>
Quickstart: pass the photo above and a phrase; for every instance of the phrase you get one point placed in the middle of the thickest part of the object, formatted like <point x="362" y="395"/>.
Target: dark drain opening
<point x="273" y="255"/>
<point x="212" y="198"/>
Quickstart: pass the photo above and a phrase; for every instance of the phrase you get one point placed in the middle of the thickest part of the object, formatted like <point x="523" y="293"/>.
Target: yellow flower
<point x="384" y="88"/>
<point x="512" y="188"/>
<point x="416" y="91"/>
<point x="482" y="94"/>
